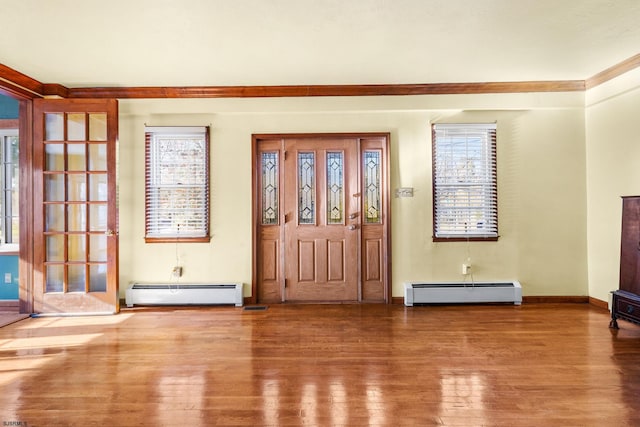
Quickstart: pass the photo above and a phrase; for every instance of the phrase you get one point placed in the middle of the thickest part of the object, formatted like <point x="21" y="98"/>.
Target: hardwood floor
<point x="9" y="317"/>
<point x="325" y="365"/>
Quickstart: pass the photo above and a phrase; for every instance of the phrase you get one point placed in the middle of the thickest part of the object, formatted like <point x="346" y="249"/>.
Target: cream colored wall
<point x="613" y="152"/>
<point x="541" y="179"/>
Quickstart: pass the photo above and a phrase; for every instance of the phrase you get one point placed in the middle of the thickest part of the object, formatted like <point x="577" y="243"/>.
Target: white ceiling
<point x="304" y="42"/>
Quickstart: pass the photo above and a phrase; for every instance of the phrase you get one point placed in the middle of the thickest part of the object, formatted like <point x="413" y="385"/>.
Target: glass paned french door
<point x="74" y="186"/>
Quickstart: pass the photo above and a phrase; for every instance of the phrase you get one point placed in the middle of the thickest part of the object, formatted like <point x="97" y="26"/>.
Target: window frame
<point x="8" y="193"/>
<point x="152" y="137"/>
<point x="487" y="190"/>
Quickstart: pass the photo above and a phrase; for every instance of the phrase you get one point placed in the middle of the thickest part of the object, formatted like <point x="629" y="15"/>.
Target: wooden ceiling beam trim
<point x="14" y="82"/>
<point x="55" y="90"/>
<point x="325" y="90"/>
<point x="10" y="90"/>
<point x="614" y="71"/>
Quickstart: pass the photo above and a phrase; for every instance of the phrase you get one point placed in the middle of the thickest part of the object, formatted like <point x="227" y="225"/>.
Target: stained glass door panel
<point x="375" y="221"/>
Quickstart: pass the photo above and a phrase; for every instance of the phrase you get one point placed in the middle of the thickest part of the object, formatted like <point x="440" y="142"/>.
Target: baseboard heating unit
<point x="184" y="294"/>
<point x="457" y="293"/>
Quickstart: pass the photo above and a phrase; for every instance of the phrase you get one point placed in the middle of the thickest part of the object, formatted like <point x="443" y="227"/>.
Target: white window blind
<point x="465" y="196"/>
<point x="177" y="183"/>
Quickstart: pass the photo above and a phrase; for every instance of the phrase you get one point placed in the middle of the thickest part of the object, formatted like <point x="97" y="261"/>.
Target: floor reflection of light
<point x="270" y="402"/>
<point x="309" y="404"/>
<point x="339" y="408"/>
<point x="183" y="394"/>
<point x="463" y="392"/>
<point x="35" y="345"/>
<point x="375" y="405"/>
<point x="54" y="341"/>
<point x="10" y="403"/>
<point x="59" y="322"/>
<point x="13" y="368"/>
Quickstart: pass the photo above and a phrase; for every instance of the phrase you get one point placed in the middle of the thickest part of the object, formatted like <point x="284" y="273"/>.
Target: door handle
<point x="109" y="233"/>
<point x="352" y="227"/>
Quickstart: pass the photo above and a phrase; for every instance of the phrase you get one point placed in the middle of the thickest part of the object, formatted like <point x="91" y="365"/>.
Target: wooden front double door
<point x="321" y="218"/>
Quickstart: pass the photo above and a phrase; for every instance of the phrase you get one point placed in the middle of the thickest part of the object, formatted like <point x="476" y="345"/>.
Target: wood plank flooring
<point x="9" y="317"/>
<point x="323" y="365"/>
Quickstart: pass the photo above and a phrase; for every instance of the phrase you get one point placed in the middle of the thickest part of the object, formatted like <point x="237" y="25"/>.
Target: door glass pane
<point x="306" y="188"/>
<point x="77" y="278"/>
<point x="98" y="248"/>
<point x="54" y="157"/>
<point x="98" y="217"/>
<point x="54" y="187"/>
<point x="98" y="157"/>
<point x="98" y="189"/>
<point x="54" y="127"/>
<point x="335" y="188"/>
<point x="54" y="217"/>
<point x="269" y="188"/>
<point x="77" y="187"/>
<point x="76" y="247"/>
<point x="76" y="127"/>
<point x="77" y="220"/>
<point x="97" y="127"/>
<point x="76" y="157"/>
<point x="55" y="247"/>
<point x="98" y="278"/>
<point x="372" y="190"/>
<point x="55" y="278"/>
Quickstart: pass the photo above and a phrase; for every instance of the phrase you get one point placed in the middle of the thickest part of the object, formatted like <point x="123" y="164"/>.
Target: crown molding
<point x="326" y="90"/>
<point x="613" y="72"/>
<point x="14" y="83"/>
<point x="55" y="90"/>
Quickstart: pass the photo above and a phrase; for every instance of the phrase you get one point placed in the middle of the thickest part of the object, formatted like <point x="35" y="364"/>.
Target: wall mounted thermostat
<point x="404" y="192"/>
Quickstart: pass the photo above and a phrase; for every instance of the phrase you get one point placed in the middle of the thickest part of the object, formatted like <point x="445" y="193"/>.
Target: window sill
<point x="9" y="249"/>
<point x="465" y="239"/>
<point x="204" y="239"/>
